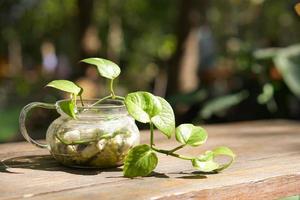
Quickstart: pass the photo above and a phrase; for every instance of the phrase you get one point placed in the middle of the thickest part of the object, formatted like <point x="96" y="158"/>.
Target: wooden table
<point x="267" y="167"/>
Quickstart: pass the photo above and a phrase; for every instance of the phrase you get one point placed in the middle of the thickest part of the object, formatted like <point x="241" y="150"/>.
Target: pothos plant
<point x="147" y="108"/>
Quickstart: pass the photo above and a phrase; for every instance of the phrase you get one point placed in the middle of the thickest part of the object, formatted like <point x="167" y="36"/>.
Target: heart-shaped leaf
<point x="65" y="85"/>
<point x="206" y="163"/>
<point x="224" y="151"/>
<point x="165" y="120"/>
<point x="205" y="166"/>
<point x="190" y="135"/>
<point x="68" y="107"/>
<point x="140" y="161"/>
<point x="142" y="106"/>
<point x="106" y="68"/>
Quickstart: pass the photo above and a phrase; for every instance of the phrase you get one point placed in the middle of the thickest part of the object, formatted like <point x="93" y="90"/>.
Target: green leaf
<point x="205" y="166"/>
<point x="267" y="94"/>
<point x="106" y="68"/>
<point x="287" y="62"/>
<point x="220" y="104"/>
<point x="142" y="106"/>
<point x="188" y="98"/>
<point x="165" y="120"/>
<point x="140" y="161"/>
<point x="65" y="85"/>
<point x="206" y="163"/>
<point x="265" y="54"/>
<point x="190" y="135"/>
<point x="224" y="151"/>
<point x="68" y="107"/>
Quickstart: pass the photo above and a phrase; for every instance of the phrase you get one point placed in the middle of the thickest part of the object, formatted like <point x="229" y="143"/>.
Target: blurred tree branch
<point x="85" y="13"/>
<point x="189" y="11"/>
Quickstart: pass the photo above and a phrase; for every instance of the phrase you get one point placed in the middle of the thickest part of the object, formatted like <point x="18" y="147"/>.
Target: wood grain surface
<point x="267" y="167"/>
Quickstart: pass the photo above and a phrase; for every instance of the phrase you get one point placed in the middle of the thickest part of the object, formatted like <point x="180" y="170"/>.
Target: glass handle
<point x="22" y="120"/>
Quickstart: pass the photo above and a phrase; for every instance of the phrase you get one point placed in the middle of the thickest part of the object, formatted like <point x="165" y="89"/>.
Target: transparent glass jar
<point x="100" y="137"/>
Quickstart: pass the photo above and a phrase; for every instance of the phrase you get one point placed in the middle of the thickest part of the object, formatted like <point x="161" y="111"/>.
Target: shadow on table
<point x="180" y="175"/>
<point x="195" y="175"/>
<point x="46" y="163"/>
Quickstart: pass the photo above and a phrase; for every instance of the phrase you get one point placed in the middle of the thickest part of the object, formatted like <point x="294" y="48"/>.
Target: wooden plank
<point x="267" y="167"/>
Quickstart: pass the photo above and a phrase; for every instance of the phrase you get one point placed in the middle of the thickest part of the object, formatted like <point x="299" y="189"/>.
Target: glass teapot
<point x="100" y="136"/>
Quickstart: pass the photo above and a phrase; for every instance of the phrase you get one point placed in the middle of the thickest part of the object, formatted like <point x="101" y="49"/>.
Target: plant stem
<point x="169" y="153"/>
<point x="120" y="97"/>
<point x="81" y="100"/>
<point x="107" y="97"/>
<point x="176" y="148"/>
<point x="100" y="100"/>
<point x="74" y="99"/>
<point x="151" y="135"/>
<point x="112" y="89"/>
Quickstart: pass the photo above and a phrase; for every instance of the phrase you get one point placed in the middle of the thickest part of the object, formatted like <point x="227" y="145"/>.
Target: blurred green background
<point x="214" y="61"/>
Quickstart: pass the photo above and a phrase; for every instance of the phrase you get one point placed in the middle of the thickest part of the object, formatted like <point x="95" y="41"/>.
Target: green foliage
<point x="267" y="97"/>
<point x="65" y="85"/>
<point x="140" y="161"/>
<point x="68" y="107"/>
<point x="206" y="163"/>
<point x="147" y="108"/>
<point x="142" y="106"/>
<point x="145" y="45"/>
<point x="9" y="122"/>
<point x="106" y="68"/>
<point x="265" y="54"/>
<point x="165" y="119"/>
<point x="287" y="62"/>
<point x="222" y="103"/>
<point x="267" y="94"/>
<point x="189" y="98"/>
<point x="224" y="151"/>
<point x="188" y="134"/>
